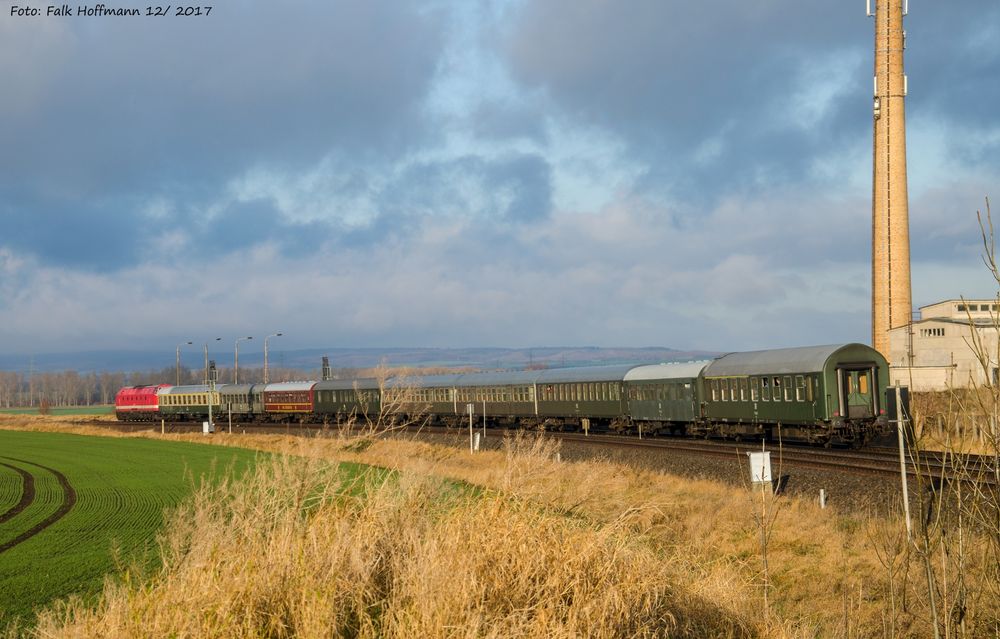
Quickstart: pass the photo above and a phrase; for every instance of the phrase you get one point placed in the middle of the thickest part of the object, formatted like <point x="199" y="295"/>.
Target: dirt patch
<point x="69" y="500"/>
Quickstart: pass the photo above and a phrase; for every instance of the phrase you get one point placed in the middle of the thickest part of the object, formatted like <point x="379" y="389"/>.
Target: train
<point x="830" y="394"/>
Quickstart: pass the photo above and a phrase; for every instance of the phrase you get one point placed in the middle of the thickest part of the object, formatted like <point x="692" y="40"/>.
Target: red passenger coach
<point x="288" y="399"/>
<point x="138" y="403"/>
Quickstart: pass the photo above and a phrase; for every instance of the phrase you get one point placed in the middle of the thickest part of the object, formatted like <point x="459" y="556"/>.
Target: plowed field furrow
<point x="26" y="493"/>
<point x="67" y="503"/>
<point x="46" y="499"/>
<point x="95" y="498"/>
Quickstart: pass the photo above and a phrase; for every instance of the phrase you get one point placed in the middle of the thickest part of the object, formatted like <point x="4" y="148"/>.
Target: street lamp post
<point x="236" y="366"/>
<point x="206" y="358"/>
<point x="265" y="353"/>
<point x="178" y="382"/>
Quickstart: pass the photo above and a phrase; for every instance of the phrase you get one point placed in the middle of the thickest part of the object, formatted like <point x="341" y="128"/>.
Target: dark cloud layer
<point x="669" y="76"/>
<point x="434" y="174"/>
<point x="122" y="111"/>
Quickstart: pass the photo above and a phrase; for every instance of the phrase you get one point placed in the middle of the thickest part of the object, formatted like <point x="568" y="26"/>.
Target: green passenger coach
<point x="664" y="397"/>
<point x="822" y="394"/>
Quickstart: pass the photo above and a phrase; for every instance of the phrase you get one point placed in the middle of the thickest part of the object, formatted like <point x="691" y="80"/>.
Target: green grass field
<point x="117" y="490"/>
<point x="104" y="409"/>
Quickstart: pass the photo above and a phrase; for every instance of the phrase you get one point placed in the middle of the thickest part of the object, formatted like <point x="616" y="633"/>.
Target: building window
<point x="932" y="332"/>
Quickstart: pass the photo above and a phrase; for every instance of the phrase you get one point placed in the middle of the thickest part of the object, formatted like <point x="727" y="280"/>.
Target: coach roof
<point x="806" y="359"/>
<point x="676" y="370"/>
<point x="289" y="386"/>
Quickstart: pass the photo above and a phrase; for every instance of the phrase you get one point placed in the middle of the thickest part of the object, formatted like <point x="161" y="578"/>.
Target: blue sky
<point x="494" y="173"/>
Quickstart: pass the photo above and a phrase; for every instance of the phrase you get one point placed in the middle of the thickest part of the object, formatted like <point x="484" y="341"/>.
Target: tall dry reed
<point x="298" y="549"/>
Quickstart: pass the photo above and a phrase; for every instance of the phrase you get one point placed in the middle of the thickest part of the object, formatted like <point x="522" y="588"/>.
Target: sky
<point x="510" y="173"/>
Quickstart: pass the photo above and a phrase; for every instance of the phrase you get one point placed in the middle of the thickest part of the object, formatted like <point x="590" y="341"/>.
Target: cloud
<point x="714" y="99"/>
<point x="114" y="115"/>
<point x="625" y="275"/>
<point x="499" y="173"/>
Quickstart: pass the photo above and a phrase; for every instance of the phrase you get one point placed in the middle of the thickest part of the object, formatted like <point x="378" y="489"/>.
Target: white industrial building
<point x="953" y="344"/>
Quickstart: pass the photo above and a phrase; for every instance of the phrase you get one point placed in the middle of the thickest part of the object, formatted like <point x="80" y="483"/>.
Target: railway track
<point x="874" y="461"/>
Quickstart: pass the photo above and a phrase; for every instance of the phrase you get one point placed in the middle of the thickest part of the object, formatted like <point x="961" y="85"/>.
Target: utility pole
<point x="206" y="358"/>
<point x="265" y="353"/>
<point x="178" y="360"/>
<point x="236" y="362"/>
<point x="891" y="298"/>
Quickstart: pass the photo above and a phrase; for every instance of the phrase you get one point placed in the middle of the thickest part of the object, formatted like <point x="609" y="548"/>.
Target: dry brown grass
<point x="553" y="549"/>
<point x="284" y="554"/>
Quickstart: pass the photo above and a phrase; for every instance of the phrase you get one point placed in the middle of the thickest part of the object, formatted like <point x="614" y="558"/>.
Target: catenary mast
<point x="891" y="306"/>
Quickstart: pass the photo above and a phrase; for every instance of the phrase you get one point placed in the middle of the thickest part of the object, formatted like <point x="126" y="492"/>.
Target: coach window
<point x="743" y="389"/>
<point x="800" y="388"/>
<point x="714" y="385"/>
<point x="788" y="388"/>
<point x="755" y="389"/>
<point x="776" y="389"/>
<point x="765" y="389"/>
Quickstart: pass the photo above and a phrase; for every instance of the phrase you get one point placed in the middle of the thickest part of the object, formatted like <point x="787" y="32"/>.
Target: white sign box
<point x="760" y="467"/>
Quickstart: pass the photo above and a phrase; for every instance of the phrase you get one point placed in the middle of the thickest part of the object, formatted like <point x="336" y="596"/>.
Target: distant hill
<point x="310" y="359"/>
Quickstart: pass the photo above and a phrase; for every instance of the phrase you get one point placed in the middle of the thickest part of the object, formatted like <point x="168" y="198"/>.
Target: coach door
<point x="857" y="386"/>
